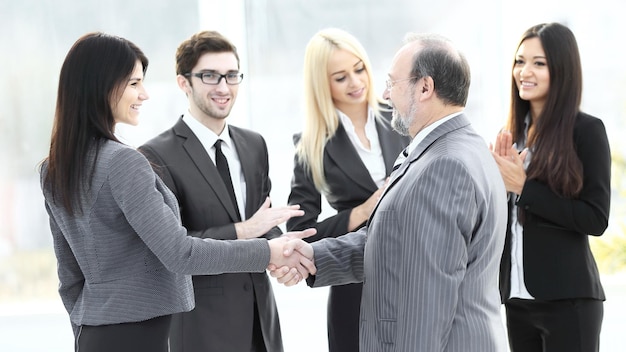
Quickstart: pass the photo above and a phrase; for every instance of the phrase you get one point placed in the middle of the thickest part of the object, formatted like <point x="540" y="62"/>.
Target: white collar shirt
<point x="518" y="287"/>
<point x="372" y="158"/>
<point x="421" y="135"/>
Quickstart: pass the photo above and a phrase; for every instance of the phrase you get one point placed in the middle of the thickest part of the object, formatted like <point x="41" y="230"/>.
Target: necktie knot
<point x="218" y="145"/>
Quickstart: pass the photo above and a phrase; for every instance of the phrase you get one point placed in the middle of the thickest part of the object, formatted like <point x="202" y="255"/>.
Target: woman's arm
<point x="588" y="213"/>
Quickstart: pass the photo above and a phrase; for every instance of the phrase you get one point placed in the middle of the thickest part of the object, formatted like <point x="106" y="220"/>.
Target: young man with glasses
<point x="219" y="173"/>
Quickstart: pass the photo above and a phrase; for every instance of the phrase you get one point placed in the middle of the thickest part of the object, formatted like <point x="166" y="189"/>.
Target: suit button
<point x="246" y="287"/>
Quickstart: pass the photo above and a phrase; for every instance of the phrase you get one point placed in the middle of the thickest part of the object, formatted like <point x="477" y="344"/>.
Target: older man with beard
<point x="430" y="252"/>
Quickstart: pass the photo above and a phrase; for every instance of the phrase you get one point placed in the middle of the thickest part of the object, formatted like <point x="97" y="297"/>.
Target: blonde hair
<point x="321" y="120"/>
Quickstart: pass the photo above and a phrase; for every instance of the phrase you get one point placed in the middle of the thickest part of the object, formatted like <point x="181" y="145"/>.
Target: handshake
<point x="291" y="258"/>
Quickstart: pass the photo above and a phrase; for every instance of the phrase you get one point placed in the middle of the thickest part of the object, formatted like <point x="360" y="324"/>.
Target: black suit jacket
<point x="223" y="317"/>
<point x="558" y="263"/>
<point x="348" y="180"/>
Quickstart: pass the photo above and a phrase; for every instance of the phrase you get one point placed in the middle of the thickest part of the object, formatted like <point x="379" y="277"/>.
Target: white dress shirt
<point x="372" y="157"/>
<point x="518" y="287"/>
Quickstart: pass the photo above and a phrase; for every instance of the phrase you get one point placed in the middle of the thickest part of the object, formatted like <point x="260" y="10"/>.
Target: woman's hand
<point x="510" y="162"/>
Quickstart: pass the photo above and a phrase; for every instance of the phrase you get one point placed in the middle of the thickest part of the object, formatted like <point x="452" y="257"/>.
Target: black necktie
<point x="400" y="160"/>
<point x="222" y="167"/>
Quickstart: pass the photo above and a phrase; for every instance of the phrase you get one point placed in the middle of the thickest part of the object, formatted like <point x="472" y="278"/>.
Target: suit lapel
<point x="204" y="164"/>
<point x="345" y="156"/>
<point x="445" y="128"/>
<point x="441" y="130"/>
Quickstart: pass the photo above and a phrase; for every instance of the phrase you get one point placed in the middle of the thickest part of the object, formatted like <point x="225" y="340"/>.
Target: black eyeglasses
<point x="215" y="78"/>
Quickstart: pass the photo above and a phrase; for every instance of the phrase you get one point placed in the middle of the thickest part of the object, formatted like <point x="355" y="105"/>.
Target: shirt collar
<point x="421" y="135"/>
<point x="345" y="120"/>
<point x="206" y="136"/>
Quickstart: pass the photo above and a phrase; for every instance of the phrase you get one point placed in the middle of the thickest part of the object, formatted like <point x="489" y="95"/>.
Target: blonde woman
<point x="345" y="153"/>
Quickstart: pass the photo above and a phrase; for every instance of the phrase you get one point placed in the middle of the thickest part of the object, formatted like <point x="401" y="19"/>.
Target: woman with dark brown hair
<point x="124" y="260"/>
<point x="556" y="165"/>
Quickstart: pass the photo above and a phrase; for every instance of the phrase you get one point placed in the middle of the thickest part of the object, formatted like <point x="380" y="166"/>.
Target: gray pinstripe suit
<point x="430" y="254"/>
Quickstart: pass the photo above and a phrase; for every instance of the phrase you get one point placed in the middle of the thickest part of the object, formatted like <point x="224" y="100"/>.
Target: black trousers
<point x="145" y="336"/>
<point x="571" y="325"/>
<point x="344" y="307"/>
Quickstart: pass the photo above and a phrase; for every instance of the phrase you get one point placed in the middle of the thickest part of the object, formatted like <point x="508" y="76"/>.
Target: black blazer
<point x="223" y="317"/>
<point x="558" y="263"/>
<point x="348" y="180"/>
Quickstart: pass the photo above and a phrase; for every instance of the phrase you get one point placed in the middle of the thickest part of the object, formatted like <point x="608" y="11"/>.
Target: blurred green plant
<point x="610" y="249"/>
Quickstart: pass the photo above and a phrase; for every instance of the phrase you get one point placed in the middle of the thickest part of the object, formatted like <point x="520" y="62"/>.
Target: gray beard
<point x="398" y="124"/>
<point x="401" y="124"/>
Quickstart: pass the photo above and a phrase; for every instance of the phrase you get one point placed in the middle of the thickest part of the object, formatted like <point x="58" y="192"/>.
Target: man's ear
<point x="183" y="84"/>
<point x="428" y="86"/>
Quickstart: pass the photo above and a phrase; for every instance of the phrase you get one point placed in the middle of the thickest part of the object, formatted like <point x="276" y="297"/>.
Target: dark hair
<point x="190" y="50"/>
<point x="554" y="159"/>
<point x="447" y="67"/>
<point x="95" y="69"/>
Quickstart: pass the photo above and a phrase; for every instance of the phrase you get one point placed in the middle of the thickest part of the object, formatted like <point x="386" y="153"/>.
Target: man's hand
<point x="291" y="258"/>
<point x="265" y="219"/>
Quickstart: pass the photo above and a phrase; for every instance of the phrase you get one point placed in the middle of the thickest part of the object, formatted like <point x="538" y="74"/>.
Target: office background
<point x="271" y="36"/>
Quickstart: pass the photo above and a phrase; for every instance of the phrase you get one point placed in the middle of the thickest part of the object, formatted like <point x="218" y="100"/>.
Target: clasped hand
<point x="291" y="258"/>
<point x="510" y="162"/>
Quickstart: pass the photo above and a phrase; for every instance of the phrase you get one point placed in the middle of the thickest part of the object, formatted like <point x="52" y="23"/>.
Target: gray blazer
<point x="429" y="255"/>
<point x="126" y="258"/>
